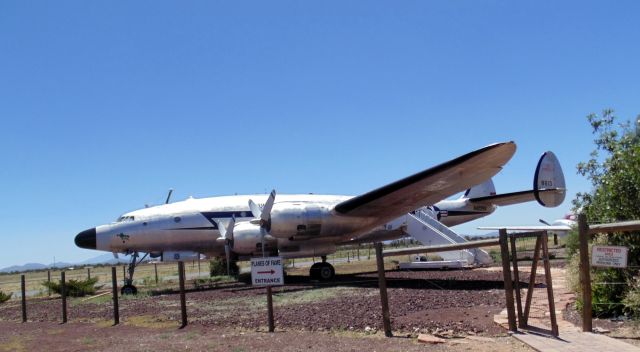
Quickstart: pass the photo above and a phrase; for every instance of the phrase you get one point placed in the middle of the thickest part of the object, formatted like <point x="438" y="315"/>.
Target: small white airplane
<point x="305" y="225"/>
<point x="559" y="227"/>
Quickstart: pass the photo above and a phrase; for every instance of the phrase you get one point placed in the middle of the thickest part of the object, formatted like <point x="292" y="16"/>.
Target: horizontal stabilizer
<point x="514" y="198"/>
<point x="548" y="187"/>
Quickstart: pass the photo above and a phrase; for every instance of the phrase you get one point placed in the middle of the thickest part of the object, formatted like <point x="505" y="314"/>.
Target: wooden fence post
<point x="155" y="268"/>
<point x="272" y="324"/>
<point x="63" y="291"/>
<point x="516" y="280"/>
<point x="183" y="300"/>
<point x="585" y="273"/>
<point x="114" y="286"/>
<point x="508" y="283"/>
<point x="88" y="273"/>
<point x="24" y="298"/>
<point x="384" y="299"/>
<point x="549" y="282"/>
<point x="532" y="280"/>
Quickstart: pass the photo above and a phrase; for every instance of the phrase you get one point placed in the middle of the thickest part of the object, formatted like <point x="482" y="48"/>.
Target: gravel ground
<point x="456" y="303"/>
<point x="344" y="315"/>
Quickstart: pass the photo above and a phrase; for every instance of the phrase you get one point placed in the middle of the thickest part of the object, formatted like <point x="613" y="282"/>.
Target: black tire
<point x="129" y="290"/>
<point x="326" y="272"/>
<point x="314" y="271"/>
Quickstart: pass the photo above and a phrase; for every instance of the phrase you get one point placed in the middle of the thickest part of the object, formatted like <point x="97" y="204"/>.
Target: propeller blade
<point x="229" y="232"/>
<point x="227" y="252"/>
<point x="226" y="232"/>
<point x="262" y="233"/>
<point x="266" y="210"/>
<point x="222" y="229"/>
<point x="168" y="196"/>
<point x="544" y="222"/>
<point x="255" y="209"/>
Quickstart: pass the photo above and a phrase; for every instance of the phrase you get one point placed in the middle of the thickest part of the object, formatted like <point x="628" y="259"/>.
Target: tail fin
<point x="548" y="187"/>
<point x="549" y="176"/>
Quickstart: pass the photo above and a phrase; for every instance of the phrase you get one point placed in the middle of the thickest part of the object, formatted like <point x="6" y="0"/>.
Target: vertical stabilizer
<point x="549" y="176"/>
<point x="484" y="189"/>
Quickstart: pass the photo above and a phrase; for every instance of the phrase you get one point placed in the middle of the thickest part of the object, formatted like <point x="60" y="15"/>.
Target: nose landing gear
<point x="128" y="288"/>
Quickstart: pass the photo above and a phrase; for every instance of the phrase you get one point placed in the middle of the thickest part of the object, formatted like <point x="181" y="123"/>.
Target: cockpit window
<point x="126" y="218"/>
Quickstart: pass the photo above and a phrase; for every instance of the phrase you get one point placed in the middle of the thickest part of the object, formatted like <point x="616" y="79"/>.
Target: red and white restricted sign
<point x="266" y="271"/>
<point x="609" y="256"/>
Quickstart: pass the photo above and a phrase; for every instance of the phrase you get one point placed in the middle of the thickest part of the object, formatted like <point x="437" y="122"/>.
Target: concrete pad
<point x="574" y="341"/>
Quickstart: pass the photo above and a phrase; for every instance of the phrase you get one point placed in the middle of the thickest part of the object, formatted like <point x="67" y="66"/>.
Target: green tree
<point x="614" y="172"/>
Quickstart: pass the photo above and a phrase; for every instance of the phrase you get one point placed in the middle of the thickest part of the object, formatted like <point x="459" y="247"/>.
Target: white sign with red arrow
<point x="266" y="271"/>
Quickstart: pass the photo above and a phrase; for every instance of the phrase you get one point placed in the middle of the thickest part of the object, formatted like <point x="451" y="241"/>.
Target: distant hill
<point x="106" y="259"/>
<point x="101" y="259"/>
<point x="26" y="267"/>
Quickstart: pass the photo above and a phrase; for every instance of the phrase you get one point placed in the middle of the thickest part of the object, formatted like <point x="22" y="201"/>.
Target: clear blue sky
<point x="106" y="105"/>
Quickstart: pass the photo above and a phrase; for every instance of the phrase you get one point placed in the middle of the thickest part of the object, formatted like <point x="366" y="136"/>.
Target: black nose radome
<point x="87" y="239"/>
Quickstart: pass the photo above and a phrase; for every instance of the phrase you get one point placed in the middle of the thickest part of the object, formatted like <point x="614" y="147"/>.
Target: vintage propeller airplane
<point x="560" y="227"/>
<point x="304" y="225"/>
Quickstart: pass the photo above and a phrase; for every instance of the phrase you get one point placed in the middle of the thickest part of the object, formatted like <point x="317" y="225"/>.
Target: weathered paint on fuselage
<point x="192" y="225"/>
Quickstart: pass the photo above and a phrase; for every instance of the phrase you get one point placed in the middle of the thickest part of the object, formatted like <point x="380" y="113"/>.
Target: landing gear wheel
<point x="322" y="271"/>
<point x="129" y="290"/>
<point x="314" y="271"/>
<point x="327" y="272"/>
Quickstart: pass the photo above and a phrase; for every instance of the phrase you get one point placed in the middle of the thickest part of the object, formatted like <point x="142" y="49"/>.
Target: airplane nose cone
<point x="87" y="239"/>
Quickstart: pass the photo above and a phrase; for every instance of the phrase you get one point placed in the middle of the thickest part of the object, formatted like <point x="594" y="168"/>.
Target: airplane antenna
<point x="169" y="196"/>
<point x="544" y="222"/>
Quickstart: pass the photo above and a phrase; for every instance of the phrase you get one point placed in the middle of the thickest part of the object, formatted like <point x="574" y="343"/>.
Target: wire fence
<point x="611" y="275"/>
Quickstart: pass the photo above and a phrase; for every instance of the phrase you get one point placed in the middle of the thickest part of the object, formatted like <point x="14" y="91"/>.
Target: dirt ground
<point x="342" y="315"/>
<point x="460" y="302"/>
<point x="54" y="337"/>
<point x="345" y="315"/>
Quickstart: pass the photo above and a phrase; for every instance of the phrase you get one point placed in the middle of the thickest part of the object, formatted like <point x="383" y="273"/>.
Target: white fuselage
<point x="193" y="225"/>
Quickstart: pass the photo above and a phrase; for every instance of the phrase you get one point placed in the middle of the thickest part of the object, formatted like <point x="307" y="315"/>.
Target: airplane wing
<point x="528" y="228"/>
<point x="431" y="185"/>
<point x="516" y="197"/>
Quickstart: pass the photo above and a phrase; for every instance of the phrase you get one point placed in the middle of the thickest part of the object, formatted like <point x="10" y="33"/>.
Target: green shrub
<point x="631" y="299"/>
<point x="5" y="297"/>
<point x="573" y="275"/>
<point x="74" y="288"/>
<point x="606" y="292"/>
<point x="218" y="267"/>
<point x="572" y="243"/>
<point x="495" y="255"/>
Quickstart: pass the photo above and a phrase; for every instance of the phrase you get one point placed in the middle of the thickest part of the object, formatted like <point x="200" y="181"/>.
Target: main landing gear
<point x="128" y="288"/>
<point x="322" y="271"/>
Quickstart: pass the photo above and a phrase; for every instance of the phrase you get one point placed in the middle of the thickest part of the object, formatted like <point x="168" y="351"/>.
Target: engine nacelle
<point x="247" y="239"/>
<point x="298" y="220"/>
<point x="175" y="256"/>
